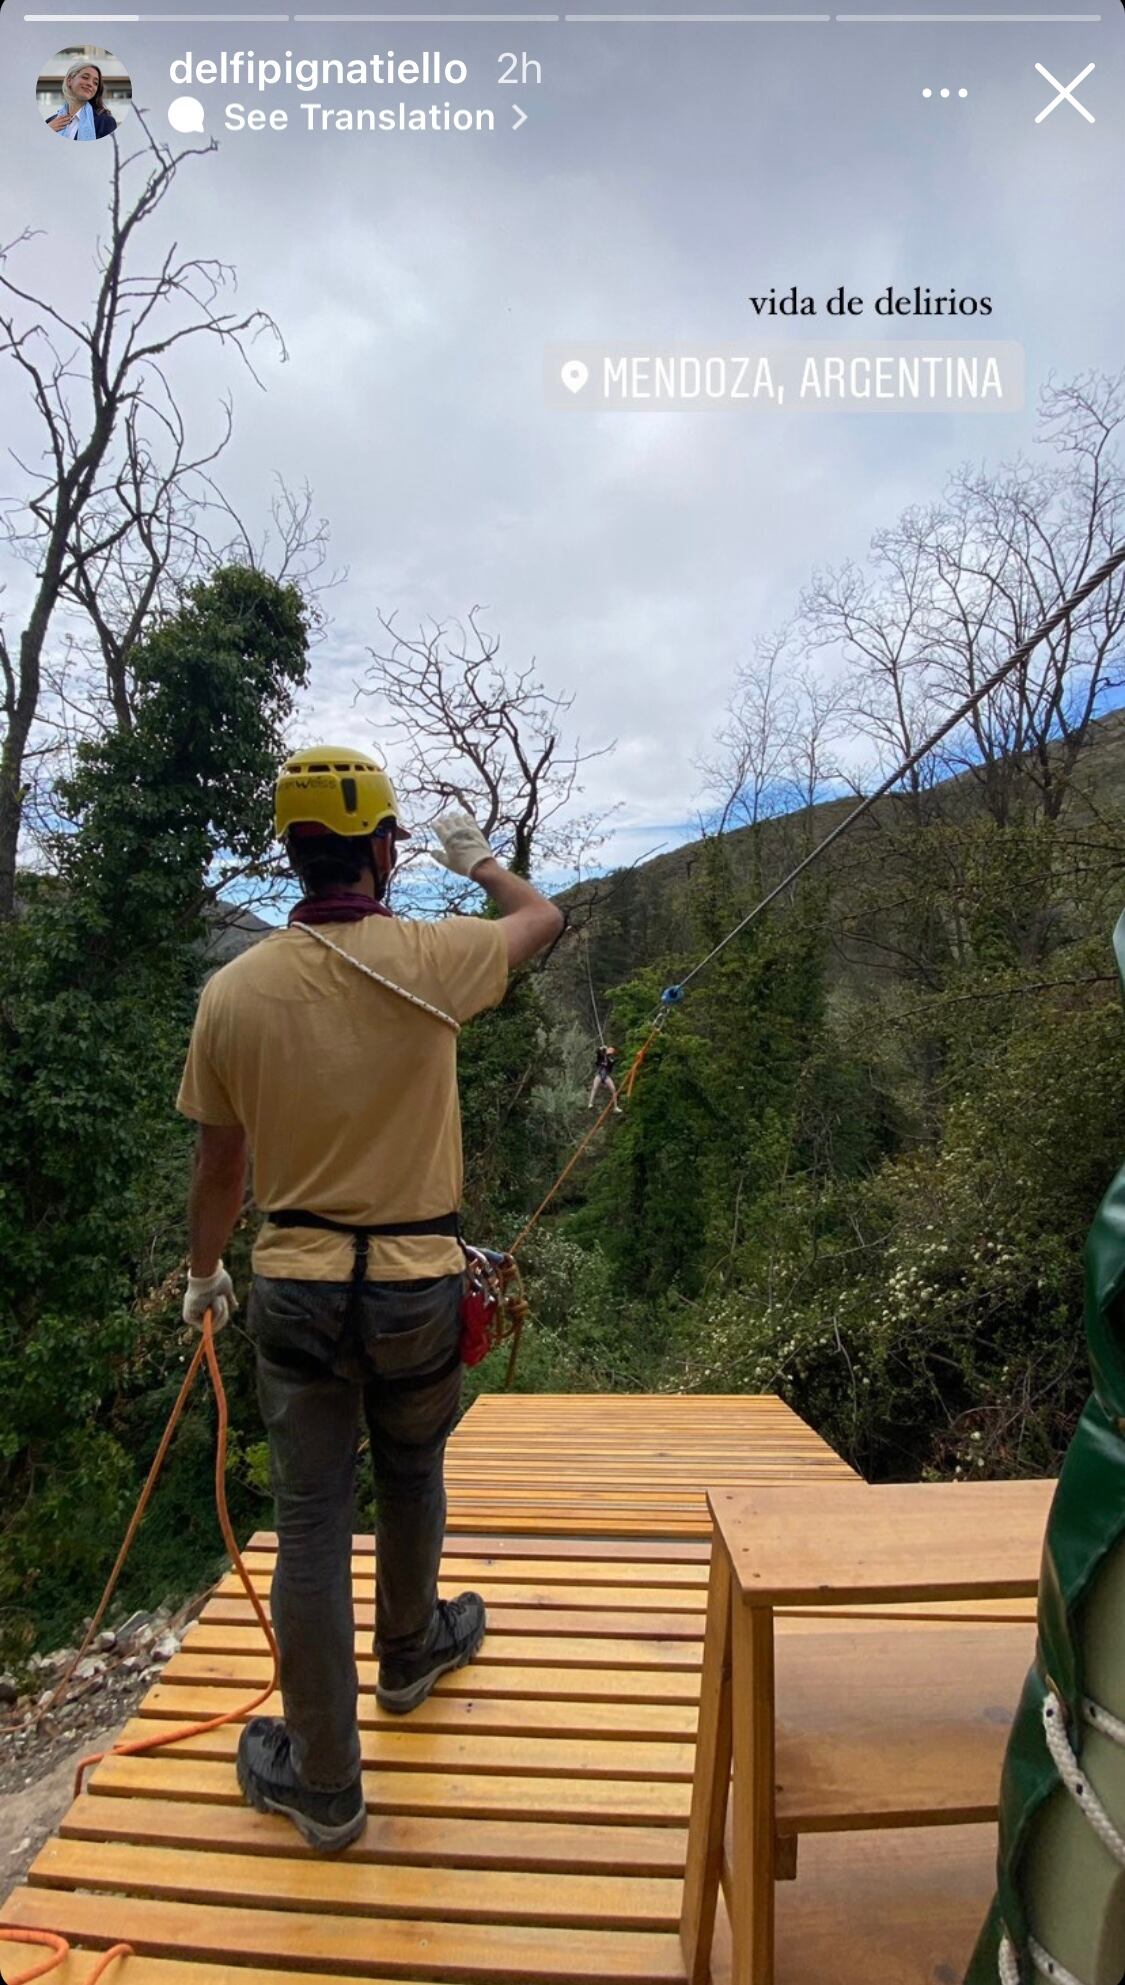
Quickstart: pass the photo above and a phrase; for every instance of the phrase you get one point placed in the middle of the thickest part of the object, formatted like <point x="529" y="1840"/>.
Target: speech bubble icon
<point x="185" y="115"/>
<point x="574" y="375"/>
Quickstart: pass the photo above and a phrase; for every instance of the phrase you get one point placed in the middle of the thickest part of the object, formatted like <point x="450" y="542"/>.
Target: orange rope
<point x="206" y="1351"/>
<point x="104" y="1962"/>
<point x="135" y="1524"/>
<point x="158" y="1743"/>
<point x="58" y="1944"/>
<point x="61" y="1948"/>
<point x="627" y="1090"/>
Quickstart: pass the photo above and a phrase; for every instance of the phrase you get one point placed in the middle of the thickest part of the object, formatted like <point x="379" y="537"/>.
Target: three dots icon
<point x="930" y="93"/>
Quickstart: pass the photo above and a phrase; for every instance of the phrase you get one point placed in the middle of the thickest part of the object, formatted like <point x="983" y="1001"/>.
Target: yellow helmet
<point x="341" y="790"/>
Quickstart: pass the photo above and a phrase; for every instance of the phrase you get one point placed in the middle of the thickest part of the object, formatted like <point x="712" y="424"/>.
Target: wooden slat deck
<point x="621" y="1464"/>
<point x="528" y="1825"/>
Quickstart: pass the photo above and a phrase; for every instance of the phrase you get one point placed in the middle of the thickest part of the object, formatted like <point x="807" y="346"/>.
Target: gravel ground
<point x="30" y="1814"/>
<point x="39" y="1753"/>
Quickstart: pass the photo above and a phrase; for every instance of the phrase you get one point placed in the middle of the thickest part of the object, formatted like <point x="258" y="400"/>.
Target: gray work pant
<point x="320" y="1361"/>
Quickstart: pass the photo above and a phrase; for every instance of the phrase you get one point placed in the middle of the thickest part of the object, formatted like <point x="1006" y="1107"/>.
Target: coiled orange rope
<point x="62" y="1951"/>
<point x="205" y="1353"/>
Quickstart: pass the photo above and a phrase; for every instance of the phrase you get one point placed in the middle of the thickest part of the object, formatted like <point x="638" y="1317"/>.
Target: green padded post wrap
<point x="1086" y="1524"/>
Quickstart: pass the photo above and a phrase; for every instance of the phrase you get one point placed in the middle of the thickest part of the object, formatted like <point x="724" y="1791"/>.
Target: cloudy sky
<point x="665" y="173"/>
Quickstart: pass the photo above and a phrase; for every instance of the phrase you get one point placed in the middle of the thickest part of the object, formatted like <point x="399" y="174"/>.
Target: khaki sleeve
<point x="470" y="958"/>
<point x="203" y="1095"/>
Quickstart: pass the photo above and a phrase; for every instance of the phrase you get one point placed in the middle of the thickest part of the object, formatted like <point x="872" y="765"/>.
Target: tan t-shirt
<point x="347" y="1093"/>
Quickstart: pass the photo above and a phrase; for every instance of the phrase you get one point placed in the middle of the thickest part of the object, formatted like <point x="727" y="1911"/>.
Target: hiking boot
<point x="327" y="1820"/>
<point x="406" y="1680"/>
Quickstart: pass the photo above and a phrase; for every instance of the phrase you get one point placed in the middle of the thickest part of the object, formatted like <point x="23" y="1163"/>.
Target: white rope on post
<point x="1009" y="1962"/>
<point x="1049" y="1967"/>
<point x="1046" y="1966"/>
<point x="1076" y="1781"/>
<point x="1086" y="1799"/>
<point x="1101" y="1719"/>
<point x="388" y="985"/>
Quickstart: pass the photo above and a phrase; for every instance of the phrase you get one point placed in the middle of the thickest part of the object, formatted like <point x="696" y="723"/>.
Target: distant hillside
<point x="232" y="930"/>
<point x="639" y="915"/>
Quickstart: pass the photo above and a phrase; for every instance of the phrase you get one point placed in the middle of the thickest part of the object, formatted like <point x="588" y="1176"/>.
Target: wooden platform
<point x="528" y="1824"/>
<point x="621" y="1464"/>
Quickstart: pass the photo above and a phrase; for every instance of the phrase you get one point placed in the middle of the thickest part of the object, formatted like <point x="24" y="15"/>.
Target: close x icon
<point x="1064" y="92"/>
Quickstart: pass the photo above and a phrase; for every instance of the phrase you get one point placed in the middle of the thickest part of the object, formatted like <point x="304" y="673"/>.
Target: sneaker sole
<point x="401" y="1701"/>
<point x="322" y="1839"/>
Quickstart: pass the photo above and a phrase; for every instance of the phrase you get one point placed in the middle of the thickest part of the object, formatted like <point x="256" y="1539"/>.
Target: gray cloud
<point x="664" y="175"/>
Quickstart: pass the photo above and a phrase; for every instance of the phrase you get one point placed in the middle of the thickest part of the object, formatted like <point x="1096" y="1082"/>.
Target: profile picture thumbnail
<point x="83" y="92"/>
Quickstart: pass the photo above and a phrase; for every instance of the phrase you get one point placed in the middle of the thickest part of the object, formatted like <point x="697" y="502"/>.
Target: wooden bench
<point x="810" y="1726"/>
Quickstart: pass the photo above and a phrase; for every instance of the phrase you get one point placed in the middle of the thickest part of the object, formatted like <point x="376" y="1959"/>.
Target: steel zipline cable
<point x="674" y="994"/>
<point x="1018" y="656"/>
<point x="206" y="1354"/>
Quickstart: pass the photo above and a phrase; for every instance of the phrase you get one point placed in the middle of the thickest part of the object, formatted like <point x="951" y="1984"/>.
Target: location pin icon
<point x="574" y="375"/>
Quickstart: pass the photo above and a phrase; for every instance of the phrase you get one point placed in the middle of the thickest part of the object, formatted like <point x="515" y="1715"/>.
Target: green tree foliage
<point x="860" y="1164"/>
<point x="714" y="1117"/>
<point x="510" y="1143"/>
<point x="98" y="978"/>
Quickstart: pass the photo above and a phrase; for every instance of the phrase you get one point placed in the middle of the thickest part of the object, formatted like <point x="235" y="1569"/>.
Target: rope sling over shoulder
<point x="388" y="985"/>
<point x="361" y="1236"/>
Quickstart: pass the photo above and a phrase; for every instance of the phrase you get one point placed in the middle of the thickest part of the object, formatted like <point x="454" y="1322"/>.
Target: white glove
<point x="210" y="1292"/>
<point x="464" y="845"/>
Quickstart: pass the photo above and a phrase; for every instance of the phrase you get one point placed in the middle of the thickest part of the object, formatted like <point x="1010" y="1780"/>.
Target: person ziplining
<point x="605" y="1061"/>
<point x="604" y="1064"/>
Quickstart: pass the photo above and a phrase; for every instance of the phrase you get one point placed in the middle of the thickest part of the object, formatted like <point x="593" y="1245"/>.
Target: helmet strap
<point x="382" y="877"/>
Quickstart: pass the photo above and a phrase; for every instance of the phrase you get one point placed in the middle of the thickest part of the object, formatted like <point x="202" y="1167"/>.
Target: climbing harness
<point x="494" y="1307"/>
<point x="447" y="1224"/>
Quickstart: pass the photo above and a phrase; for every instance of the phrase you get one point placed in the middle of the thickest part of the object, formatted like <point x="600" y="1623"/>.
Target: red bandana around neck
<point x="339" y="906"/>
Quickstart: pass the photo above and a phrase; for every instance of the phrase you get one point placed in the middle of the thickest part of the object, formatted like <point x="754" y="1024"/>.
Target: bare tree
<point x="946" y="595"/>
<point x="1003" y="552"/>
<point x="878" y="624"/>
<point x="953" y="588"/>
<point x="112" y="513"/>
<point x="775" y="750"/>
<point x="465" y="731"/>
<point x="744" y="772"/>
<point x="180" y="526"/>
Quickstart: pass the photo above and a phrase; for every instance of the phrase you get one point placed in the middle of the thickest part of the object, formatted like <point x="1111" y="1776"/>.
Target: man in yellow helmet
<point x="328" y="1052"/>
